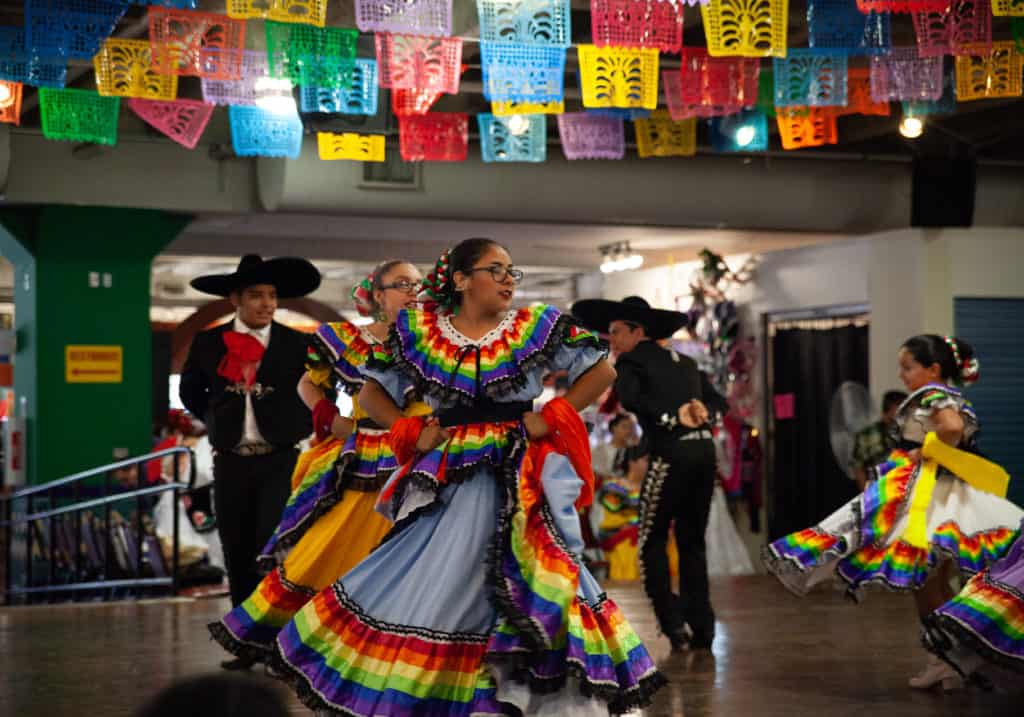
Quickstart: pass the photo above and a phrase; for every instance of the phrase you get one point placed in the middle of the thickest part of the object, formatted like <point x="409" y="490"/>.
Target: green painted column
<point x="82" y="278"/>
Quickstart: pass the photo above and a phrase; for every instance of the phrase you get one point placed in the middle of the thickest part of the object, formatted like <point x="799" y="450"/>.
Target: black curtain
<point x="807" y="483"/>
<point x="161" y="375"/>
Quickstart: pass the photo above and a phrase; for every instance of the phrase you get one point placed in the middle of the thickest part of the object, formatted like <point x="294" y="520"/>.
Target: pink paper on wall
<point x="785" y="406"/>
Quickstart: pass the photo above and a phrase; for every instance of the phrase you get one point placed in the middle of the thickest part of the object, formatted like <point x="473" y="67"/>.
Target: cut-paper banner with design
<point x="311" y="56"/>
<point x="858" y="95"/>
<point x="243" y="90"/>
<point x="529" y="22"/>
<point x="903" y="76"/>
<point x="950" y="31"/>
<point x="746" y="131"/>
<point x="619" y="77"/>
<point x="72" y="29"/>
<point x="256" y="132"/>
<point x="801" y="127"/>
<point x="181" y="120"/>
<point x="350" y="145"/>
<point x="584" y="135"/>
<point x="359" y="98"/>
<point x="710" y="86"/>
<point x="637" y="23"/>
<point x="411" y="17"/>
<point x="662" y="136"/>
<point x="72" y="115"/>
<point x="522" y="73"/>
<point x="413" y="102"/>
<point x="946" y="105"/>
<point x="1013" y="8"/>
<point x="413" y="62"/>
<point x="434" y="137"/>
<point x="10" y="102"/>
<point x="808" y="78"/>
<point x="746" y="28"/>
<point x="17" y="64"/>
<point x="838" y="27"/>
<point x="505" y="109"/>
<point x="988" y="71"/>
<point x="902" y="6"/>
<point x="201" y="44"/>
<point x="520" y="138"/>
<point x="307" y="12"/>
<point x="124" y="69"/>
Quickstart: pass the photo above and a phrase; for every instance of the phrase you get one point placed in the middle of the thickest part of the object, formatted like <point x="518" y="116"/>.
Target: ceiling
<point x="991" y="130"/>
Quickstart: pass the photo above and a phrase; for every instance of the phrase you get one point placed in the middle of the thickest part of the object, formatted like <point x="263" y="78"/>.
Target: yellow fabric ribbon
<point x="968" y="467"/>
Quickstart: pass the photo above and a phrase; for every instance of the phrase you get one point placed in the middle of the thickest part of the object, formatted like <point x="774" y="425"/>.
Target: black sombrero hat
<point x="291" y="276"/>
<point x="597" y="314"/>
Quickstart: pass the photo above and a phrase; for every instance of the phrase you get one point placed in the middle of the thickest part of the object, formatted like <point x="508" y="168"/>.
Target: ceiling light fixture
<point x="518" y="125"/>
<point x="619" y="257"/>
<point x="911" y="127"/>
<point x="745" y="134"/>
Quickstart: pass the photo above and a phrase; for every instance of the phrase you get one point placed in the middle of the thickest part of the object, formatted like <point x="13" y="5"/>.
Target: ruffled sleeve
<point x="578" y="349"/>
<point x="382" y="369"/>
<point x="336" y="355"/>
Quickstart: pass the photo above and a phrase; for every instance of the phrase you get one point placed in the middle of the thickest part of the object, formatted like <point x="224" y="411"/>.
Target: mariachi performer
<point x="329" y="523"/>
<point x="476" y="603"/>
<point x="240" y="379"/>
<point x="670" y="397"/>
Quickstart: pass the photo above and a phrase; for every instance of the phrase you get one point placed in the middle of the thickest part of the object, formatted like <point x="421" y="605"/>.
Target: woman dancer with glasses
<point x="476" y="603"/>
<point x="329" y="523"/>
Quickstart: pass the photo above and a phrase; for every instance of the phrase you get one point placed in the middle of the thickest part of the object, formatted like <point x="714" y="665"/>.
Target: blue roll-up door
<point x="995" y="327"/>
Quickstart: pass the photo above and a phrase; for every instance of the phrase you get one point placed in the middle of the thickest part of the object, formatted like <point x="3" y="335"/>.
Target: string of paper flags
<point x="523" y="51"/>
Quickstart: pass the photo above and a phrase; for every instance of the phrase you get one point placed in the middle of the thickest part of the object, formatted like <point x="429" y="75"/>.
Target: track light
<point x="518" y="125"/>
<point x="745" y="134"/>
<point x="619" y="257"/>
<point x="911" y="127"/>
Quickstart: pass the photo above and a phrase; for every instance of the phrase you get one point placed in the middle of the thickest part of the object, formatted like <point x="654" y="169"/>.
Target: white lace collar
<point x="452" y="334"/>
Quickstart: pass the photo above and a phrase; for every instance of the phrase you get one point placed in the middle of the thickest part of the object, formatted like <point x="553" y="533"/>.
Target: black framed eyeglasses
<point x="405" y="286"/>
<point x="500" y="273"/>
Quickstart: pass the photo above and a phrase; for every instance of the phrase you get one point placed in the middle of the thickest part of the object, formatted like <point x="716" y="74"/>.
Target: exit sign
<point x="93" y="364"/>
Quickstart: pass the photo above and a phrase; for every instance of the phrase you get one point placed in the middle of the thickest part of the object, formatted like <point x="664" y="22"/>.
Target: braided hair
<point x="954" y="356"/>
<point x="439" y="286"/>
<point x="362" y="293"/>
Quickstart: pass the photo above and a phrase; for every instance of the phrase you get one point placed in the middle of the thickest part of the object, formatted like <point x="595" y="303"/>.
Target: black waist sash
<point x="369" y="423"/>
<point x="484" y="410"/>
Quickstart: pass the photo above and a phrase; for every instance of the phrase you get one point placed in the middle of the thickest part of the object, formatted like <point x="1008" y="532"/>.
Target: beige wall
<point x="909" y="278"/>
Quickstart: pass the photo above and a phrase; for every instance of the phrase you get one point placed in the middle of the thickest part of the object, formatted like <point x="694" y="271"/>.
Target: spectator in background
<point x="874" y="443"/>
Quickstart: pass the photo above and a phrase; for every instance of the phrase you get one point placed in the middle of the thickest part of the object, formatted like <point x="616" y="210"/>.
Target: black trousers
<point x="678" y="487"/>
<point x="249" y="493"/>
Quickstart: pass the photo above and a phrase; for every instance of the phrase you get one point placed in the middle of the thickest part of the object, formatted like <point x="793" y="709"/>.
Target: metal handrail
<point x="93" y="472"/>
<point x="85" y="505"/>
<point x="107" y="580"/>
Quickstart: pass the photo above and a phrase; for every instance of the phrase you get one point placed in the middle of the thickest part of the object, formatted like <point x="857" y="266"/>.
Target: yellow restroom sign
<point x="93" y="364"/>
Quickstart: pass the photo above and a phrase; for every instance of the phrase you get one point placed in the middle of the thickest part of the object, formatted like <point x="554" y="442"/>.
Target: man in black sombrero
<point x="670" y="398"/>
<point x="240" y="378"/>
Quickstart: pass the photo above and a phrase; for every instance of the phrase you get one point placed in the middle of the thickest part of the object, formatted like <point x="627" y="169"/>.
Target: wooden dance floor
<point x="775" y="656"/>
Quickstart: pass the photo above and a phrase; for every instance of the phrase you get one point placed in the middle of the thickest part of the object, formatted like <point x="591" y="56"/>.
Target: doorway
<point x="808" y="354"/>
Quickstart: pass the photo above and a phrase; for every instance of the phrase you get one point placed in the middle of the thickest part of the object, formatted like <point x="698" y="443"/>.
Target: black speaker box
<point x="942" y="194"/>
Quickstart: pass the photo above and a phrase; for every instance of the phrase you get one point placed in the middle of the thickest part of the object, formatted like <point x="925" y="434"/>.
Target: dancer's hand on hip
<point x="693" y="414"/>
<point x="432" y="436"/>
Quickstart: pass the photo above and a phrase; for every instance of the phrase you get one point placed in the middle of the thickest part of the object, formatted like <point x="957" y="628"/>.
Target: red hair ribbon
<point x="243" y="358"/>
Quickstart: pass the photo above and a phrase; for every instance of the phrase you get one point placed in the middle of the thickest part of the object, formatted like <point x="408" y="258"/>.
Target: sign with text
<point x="93" y="364"/>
